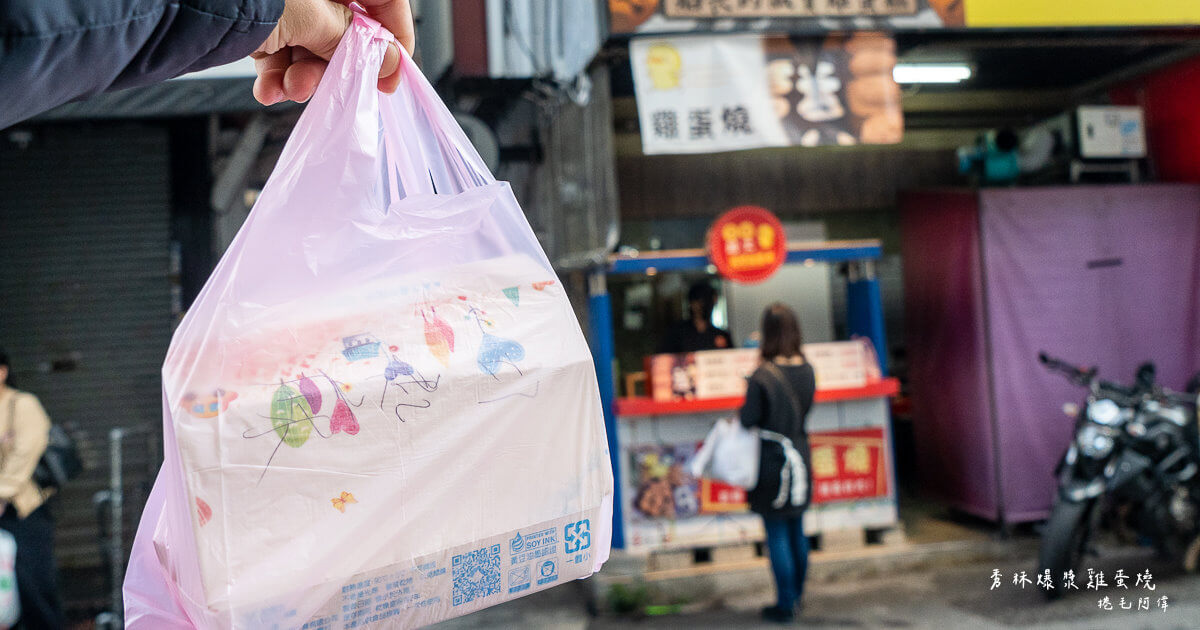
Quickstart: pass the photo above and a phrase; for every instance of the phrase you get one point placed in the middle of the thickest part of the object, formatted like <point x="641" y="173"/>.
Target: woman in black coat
<point x="778" y="398"/>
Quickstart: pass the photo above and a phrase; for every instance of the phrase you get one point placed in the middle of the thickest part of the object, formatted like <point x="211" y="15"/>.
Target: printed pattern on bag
<point x="476" y="574"/>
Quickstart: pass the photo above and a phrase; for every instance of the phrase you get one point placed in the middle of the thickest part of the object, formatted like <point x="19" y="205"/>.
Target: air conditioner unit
<point x="1110" y="132"/>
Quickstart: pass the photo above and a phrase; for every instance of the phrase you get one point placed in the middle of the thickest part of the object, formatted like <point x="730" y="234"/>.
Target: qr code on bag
<point x="476" y="574"/>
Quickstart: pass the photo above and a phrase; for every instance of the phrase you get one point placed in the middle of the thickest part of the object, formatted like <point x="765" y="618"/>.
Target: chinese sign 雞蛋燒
<point x="724" y="93"/>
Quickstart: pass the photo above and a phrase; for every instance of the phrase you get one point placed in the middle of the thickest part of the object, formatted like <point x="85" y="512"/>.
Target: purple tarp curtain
<point x="1106" y="276"/>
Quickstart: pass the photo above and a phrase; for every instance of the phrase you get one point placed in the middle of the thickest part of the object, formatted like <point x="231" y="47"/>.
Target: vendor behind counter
<point x="697" y="332"/>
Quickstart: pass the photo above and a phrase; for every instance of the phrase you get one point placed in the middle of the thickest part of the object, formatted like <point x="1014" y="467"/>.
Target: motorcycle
<point x="1135" y="457"/>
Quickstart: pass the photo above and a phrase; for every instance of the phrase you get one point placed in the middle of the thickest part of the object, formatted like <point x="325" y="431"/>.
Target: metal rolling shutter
<point x="84" y="294"/>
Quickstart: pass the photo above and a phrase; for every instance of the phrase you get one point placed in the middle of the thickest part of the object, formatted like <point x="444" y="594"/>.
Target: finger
<point x="397" y="17"/>
<point x="303" y="75"/>
<point x="389" y="72"/>
<point x="268" y="86"/>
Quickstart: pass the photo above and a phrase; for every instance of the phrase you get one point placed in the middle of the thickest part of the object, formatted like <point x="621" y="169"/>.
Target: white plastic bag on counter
<point x="380" y="411"/>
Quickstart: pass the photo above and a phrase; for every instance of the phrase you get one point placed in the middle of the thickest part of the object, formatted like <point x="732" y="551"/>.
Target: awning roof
<point x="217" y="90"/>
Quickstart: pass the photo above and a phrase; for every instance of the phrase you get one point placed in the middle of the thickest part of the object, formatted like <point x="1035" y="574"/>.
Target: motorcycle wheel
<point x="1063" y="541"/>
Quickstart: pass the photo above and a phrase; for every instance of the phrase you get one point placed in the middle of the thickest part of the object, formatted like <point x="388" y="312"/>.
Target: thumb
<point x="318" y="25"/>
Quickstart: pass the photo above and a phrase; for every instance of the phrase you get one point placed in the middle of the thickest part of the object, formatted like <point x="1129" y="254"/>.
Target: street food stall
<point x="653" y="431"/>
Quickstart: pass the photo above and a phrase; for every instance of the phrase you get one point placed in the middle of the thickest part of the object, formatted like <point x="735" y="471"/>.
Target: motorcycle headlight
<point x="1105" y="412"/>
<point x="1094" y="441"/>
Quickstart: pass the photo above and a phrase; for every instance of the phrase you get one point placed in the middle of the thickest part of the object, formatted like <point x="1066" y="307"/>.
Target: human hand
<point x="293" y="59"/>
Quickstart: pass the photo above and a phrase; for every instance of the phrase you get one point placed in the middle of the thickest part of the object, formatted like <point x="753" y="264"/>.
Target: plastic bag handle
<point x="401" y="158"/>
<point x="426" y="148"/>
<point x="466" y="159"/>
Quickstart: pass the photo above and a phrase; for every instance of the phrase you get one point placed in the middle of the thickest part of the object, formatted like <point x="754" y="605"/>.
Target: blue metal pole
<point x="864" y="314"/>
<point x="603" y="354"/>
<point x="864" y="309"/>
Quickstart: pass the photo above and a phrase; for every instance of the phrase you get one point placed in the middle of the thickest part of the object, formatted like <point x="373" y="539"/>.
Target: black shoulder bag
<point x="60" y="462"/>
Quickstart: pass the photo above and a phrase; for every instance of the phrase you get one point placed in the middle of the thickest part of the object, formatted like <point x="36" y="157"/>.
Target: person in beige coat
<point x="24" y="433"/>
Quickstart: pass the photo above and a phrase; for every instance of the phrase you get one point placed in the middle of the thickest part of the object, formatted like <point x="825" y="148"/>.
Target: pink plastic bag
<point x="380" y="411"/>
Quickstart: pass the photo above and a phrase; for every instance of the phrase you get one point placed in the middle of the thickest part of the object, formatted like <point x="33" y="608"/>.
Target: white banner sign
<point x="731" y="92"/>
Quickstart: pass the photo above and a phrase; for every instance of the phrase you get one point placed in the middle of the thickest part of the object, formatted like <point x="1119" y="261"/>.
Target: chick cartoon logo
<point x="664" y="63"/>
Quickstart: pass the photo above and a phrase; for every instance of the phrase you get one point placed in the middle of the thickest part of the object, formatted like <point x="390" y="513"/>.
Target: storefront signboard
<point x="848" y="465"/>
<point x="843" y="364"/>
<point x="714" y="374"/>
<point x="1080" y="13"/>
<point x="791" y="16"/>
<point x="631" y="17"/>
<point x="703" y="375"/>
<point x="747" y="244"/>
<point x="744" y="91"/>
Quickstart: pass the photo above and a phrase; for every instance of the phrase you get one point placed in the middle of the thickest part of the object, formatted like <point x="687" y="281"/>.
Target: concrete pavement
<point x="910" y="597"/>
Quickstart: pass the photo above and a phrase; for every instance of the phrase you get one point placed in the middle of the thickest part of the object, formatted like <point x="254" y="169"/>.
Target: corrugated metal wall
<point x="577" y="190"/>
<point x="568" y="191"/>
<point x="84" y="292"/>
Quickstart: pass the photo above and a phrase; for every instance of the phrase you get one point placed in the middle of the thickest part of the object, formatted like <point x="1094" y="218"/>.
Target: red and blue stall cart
<point x="854" y="486"/>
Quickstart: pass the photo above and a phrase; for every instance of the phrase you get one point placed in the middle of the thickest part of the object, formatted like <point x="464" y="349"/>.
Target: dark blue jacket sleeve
<point x="54" y="51"/>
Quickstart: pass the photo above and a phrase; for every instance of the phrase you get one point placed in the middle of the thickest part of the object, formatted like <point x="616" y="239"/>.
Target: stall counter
<point x="851" y="462"/>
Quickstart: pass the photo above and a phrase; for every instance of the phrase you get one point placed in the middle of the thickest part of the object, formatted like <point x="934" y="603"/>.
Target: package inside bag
<point x="398" y="426"/>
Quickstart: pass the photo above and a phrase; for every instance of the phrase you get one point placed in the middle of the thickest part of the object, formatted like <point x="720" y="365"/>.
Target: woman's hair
<point x="780" y="333"/>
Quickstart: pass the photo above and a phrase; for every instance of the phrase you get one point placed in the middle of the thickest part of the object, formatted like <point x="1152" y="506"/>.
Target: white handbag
<point x="10" y="605"/>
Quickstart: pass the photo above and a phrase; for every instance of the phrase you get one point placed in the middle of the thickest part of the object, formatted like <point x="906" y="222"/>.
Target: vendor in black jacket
<point x="55" y="51"/>
<point x="779" y="396"/>
<point x="697" y="332"/>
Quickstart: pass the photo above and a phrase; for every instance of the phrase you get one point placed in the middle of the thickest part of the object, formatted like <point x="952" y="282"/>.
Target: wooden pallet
<point x="704" y="558"/>
<point x="856" y="538"/>
<point x="715" y="558"/>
